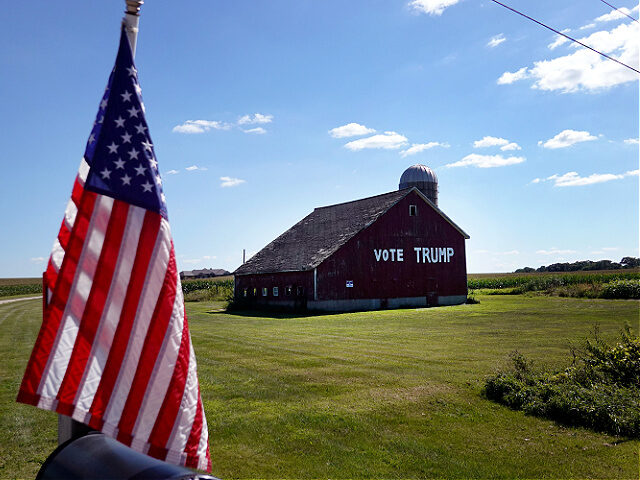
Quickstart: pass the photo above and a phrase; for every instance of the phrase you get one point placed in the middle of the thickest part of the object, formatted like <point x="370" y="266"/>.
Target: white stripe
<point x="149" y="298"/>
<point x="162" y="371"/>
<point x="188" y="407"/>
<point x="204" y="443"/>
<point x="110" y="314"/>
<point x="57" y="255"/>
<point x="83" y="171"/>
<point x="66" y="336"/>
<point x="70" y="214"/>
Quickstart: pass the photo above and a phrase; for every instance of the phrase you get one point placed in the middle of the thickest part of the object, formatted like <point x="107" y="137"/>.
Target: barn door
<point x="432" y="292"/>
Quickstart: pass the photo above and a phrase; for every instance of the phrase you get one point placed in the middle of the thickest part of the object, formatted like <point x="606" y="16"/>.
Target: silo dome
<point x="423" y="178"/>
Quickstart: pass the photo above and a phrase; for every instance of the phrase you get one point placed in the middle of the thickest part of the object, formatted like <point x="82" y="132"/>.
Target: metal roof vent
<point x="423" y="178"/>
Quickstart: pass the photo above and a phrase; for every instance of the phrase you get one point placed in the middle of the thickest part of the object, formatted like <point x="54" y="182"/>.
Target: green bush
<point x="621" y="289"/>
<point x="207" y="290"/>
<point x="599" y="390"/>
<point x="9" y="290"/>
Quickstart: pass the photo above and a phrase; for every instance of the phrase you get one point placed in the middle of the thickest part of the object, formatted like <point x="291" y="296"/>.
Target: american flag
<point x="114" y="349"/>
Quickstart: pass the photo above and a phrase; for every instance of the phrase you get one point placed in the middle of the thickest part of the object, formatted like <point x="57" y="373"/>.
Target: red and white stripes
<point x="114" y="349"/>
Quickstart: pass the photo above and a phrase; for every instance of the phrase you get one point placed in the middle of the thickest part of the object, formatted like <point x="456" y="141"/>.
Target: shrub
<point x="599" y="390"/>
<point x="621" y="289"/>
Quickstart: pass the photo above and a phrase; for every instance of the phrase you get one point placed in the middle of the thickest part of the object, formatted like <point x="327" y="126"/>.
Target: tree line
<point x="585" y="265"/>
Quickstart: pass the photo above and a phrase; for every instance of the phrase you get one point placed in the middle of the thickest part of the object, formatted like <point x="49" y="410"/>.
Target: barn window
<point x="265" y="291"/>
<point x="245" y="292"/>
<point x="275" y="291"/>
<point x="300" y="291"/>
<point x="413" y="210"/>
<point x="288" y="291"/>
<point x="255" y="292"/>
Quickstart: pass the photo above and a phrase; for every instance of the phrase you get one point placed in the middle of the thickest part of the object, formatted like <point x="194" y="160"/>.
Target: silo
<point x="423" y="178"/>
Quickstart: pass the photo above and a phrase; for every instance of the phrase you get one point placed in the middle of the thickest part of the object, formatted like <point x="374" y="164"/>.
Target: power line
<point x="565" y="35"/>
<point x="616" y="8"/>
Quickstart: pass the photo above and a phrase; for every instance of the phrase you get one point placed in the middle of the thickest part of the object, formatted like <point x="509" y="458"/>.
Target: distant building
<point x="204" y="273"/>
<point x="392" y="250"/>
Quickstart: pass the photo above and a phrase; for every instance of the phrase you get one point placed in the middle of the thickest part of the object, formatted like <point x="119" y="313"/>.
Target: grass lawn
<point x="375" y="394"/>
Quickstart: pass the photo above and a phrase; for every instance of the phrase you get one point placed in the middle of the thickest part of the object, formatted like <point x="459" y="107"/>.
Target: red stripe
<point x="64" y="235"/>
<point x="152" y="344"/>
<point x="148" y="234"/>
<point x="76" y="193"/>
<point x="93" y="308"/>
<point x="51" y="321"/>
<point x="191" y="448"/>
<point x="52" y="275"/>
<point x="173" y="398"/>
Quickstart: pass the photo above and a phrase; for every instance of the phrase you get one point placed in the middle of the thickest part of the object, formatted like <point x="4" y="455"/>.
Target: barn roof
<point x="321" y="233"/>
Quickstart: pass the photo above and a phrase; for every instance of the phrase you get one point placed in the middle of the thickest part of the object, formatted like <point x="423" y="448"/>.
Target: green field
<point x="374" y="394"/>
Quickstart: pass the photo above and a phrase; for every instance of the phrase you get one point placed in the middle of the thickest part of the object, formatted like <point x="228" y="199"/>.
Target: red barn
<point x="393" y="250"/>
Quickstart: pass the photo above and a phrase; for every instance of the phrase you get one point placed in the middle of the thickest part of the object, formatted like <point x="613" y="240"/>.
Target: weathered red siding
<point x="396" y="229"/>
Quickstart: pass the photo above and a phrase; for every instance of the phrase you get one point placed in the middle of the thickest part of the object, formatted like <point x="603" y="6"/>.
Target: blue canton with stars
<point x="119" y="150"/>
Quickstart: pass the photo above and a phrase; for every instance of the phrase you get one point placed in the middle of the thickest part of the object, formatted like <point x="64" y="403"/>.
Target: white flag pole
<point x="131" y="20"/>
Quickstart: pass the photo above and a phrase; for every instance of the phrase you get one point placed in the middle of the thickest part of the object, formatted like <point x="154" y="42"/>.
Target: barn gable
<point x="321" y="233"/>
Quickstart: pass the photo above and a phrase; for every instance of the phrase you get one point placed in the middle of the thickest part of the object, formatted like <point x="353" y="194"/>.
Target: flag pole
<point x="131" y="20"/>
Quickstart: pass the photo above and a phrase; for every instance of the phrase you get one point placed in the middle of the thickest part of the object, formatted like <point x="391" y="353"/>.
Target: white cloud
<point x="555" y="251"/>
<point x="388" y="141"/>
<point x="231" y="182"/>
<point x="256" y="118"/>
<point x="560" y="40"/>
<point x="171" y="172"/>
<point x="421" y="147"/>
<point x="490" y="141"/>
<point x="432" y="7"/>
<point x="200" y="126"/>
<point x="350" y="130"/>
<point x="38" y="259"/>
<point x="193" y="168"/>
<point x="510" y="146"/>
<point x="610" y="249"/>
<point x="257" y="131"/>
<point x="632" y="141"/>
<point x="496" y="40"/>
<point x="616" y="14"/>
<point x="508" y="78"/>
<point x="486" y="161"/>
<point x="566" y="138"/>
<point x="572" y="179"/>
<point x="584" y="69"/>
<point x="588" y="26"/>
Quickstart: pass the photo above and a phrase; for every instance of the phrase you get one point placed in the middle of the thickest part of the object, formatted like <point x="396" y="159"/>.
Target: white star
<point x="119" y="164"/>
<point x="101" y="119"/>
<point x="126" y="180"/>
<point x="126" y="96"/>
<point x="144" y="109"/>
<point x="132" y="70"/>
<point x="140" y="170"/>
<point x="158" y="180"/>
<point x="119" y="122"/>
<point x="137" y="87"/>
<point x="92" y="138"/>
<point x="153" y="162"/>
<point x="146" y="187"/>
<point x="113" y="148"/>
<point x="147" y="145"/>
<point x="126" y="138"/>
<point x="140" y="128"/>
<point x="105" y="173"/>
<point x="164" y="199"/>
<point x="133" y="153"/>
<point x="103" y="103"/>
<point x="133" y="112"/>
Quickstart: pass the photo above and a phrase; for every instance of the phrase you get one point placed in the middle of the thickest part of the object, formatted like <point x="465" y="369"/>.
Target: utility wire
<point x="616" y="8"/>
<point x="566" y="36"/>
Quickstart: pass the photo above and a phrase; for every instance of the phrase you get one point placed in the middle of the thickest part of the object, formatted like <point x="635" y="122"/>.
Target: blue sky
<point x="262" y="110"/>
